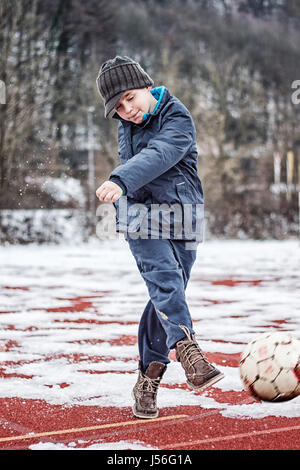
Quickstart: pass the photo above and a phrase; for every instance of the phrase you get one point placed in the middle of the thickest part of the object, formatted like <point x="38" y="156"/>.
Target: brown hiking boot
<point x="200" y="373"/>
<point x="145" y="390"/>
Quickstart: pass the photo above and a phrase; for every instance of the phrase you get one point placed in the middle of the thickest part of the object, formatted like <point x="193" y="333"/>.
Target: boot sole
<point x="139" y="414"/>
<point x="207" y="384"/>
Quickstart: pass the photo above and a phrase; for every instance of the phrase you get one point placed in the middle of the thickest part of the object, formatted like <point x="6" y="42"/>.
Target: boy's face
<point x="134" y="103"/>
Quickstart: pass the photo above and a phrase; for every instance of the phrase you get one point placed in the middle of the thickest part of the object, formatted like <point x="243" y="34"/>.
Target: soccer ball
<point x="270" y="367"/>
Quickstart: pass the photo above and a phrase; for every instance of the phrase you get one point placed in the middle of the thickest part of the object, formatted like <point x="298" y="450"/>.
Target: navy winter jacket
<point x="159" y="170"/>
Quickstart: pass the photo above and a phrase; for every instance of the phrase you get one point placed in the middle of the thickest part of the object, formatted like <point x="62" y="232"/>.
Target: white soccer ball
<point x="270" y="367"/>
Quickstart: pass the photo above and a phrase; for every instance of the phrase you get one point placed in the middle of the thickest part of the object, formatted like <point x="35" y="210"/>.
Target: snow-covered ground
<point x="48" y="225"/>
<point x="70" y="312"/>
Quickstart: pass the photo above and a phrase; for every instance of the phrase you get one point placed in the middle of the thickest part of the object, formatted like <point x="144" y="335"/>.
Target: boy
<point x="158" y="170"/>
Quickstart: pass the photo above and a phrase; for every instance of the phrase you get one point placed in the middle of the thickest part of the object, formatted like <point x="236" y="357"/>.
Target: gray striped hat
<point x="117" y="76"/>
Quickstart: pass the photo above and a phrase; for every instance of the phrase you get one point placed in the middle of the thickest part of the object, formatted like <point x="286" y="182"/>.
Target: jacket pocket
<point x="193" y="212"/>
<point x="181" y="192"/>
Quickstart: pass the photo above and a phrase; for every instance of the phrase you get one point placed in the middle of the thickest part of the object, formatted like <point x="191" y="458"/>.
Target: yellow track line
<point x="89" y="428"/>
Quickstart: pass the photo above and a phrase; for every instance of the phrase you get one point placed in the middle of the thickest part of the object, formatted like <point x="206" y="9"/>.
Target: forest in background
<point x="233" y="63"/>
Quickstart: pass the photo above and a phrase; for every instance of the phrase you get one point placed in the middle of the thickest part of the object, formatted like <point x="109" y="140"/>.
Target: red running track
<point x="62" y="322"/>
<point x="183" y="428"/>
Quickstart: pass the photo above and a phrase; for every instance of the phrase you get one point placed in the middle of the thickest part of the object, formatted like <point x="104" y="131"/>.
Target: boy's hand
<point x="109" y="192"/>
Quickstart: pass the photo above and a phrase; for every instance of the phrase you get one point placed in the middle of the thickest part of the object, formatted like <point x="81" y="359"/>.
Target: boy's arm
<point x="163" y="151"/>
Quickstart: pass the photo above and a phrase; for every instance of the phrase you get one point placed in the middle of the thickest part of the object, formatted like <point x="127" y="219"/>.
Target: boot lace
<point x="148" y="385"/>
<point x="192" y="353"/>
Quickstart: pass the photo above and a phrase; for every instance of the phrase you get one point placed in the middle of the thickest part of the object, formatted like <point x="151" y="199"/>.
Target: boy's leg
<point x="166" y="278"/>
<point x="152" y="339"/>
<point x="165" y="266"/>
<point x="166" y="286"/>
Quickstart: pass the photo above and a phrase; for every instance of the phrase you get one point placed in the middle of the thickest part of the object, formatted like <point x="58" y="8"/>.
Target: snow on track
<point x="69" y="317"/>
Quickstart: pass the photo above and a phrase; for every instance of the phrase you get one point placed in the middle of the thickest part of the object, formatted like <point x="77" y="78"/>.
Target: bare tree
<point x="23" y="59"/>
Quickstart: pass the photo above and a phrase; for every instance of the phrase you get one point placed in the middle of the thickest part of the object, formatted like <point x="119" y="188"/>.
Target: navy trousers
<point x="165" y="266"/>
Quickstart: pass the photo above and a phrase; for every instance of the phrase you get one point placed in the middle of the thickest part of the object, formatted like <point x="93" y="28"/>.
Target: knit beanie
<point x="117" y="76"/>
